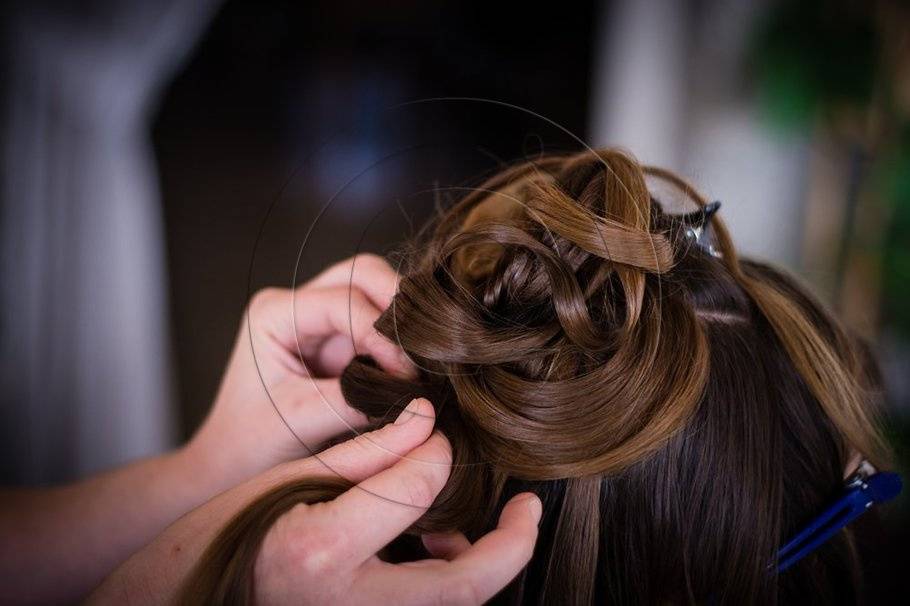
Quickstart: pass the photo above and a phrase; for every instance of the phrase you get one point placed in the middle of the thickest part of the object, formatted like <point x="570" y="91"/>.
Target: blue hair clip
<point x="863" y="489"/>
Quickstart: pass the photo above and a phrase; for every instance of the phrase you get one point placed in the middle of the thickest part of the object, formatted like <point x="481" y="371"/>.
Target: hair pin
<point x="863" y="489"/>
<point x="698" y="225"/>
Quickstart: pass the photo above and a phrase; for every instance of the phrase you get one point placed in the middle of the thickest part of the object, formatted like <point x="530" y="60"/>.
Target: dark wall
<point x="284" y="103"/>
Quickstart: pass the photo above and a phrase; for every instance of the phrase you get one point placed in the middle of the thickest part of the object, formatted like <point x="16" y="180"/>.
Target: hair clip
<point x="863" y="489"/>
<point x="698" y="224"/>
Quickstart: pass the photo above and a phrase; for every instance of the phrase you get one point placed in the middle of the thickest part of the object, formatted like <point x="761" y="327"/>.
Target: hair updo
<point x="679" y="412"/>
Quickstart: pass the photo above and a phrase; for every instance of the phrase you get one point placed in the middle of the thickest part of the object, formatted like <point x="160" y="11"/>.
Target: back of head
<point x="679" y="411"/>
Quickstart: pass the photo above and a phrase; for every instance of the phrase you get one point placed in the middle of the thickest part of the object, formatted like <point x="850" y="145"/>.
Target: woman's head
<point x="679" y="410"/>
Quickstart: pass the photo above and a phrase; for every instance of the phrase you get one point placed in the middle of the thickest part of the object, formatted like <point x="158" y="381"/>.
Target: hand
<point x="291" y="347"/>
<point x="326" y="552"/>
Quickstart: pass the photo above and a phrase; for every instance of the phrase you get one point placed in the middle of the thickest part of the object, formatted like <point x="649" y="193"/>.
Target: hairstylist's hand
<point x="326" y="553"/>
<point x="291" y="347"/>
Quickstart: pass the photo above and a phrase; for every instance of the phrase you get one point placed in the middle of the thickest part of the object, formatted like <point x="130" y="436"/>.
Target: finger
<point x="383" y="506"/>
<point x="315" y="409"/>
<point x="301" y="320"/>
<point x="370" y="453"/>
<point x="473" y="577"/>
<point x="368" y="272"/>
<point x="497" y="557"/>
<point x="322" y="313"/>
<point x="445" y="546"/>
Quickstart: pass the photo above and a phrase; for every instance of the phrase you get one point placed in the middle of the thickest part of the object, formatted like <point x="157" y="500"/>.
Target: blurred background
<point x="161" y="160"/>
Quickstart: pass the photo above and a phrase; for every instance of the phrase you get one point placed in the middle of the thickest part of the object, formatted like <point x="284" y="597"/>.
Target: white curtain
<point x="86" y="377"/>
<point x="669" y="85"/>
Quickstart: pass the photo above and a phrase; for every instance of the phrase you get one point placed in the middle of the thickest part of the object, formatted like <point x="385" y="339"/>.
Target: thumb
<point x="369" y="453"/>
<point x="497" y="557"/>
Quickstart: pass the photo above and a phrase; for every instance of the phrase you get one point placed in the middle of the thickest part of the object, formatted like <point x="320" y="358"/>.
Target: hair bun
<point x="536" y="307"/>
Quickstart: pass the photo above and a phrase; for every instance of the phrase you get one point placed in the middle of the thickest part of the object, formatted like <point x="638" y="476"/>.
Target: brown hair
<point x="680" y="413"/>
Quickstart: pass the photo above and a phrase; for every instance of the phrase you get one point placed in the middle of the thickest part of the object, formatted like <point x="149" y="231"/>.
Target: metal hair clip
<point x="862" y="490"/>
<point x="698" y="224"/>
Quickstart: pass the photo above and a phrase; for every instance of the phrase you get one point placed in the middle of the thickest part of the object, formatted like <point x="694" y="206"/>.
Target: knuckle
<point x="317" y="561"/>
<point x="423" y="488"/>
<point x="363" y="445"/>
<point x="357" y="318"/>
<point x="364" y="442"/>
<point x="439" y="450"/>
<point x="265" y="297"/>
<point x="370" y="261"/>
<point x="430" y="473"/>
<point x="312" y="551"/>
<point x="357" y="300"/>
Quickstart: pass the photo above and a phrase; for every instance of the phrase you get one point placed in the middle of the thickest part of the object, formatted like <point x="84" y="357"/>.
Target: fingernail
<point x="408" y="413"/>
<point x="535" y="508"/>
